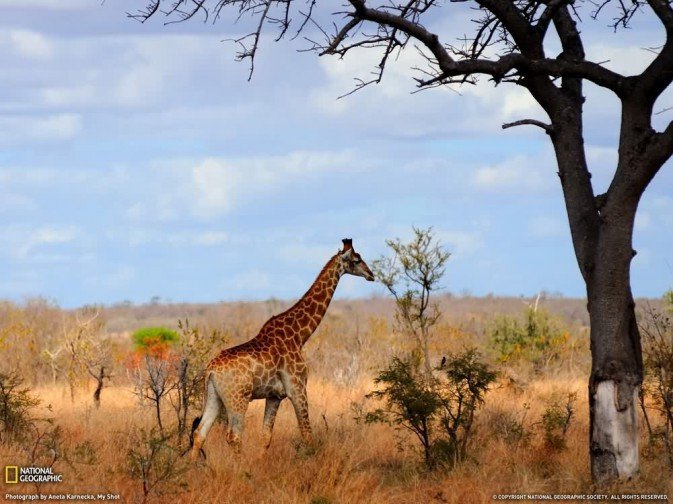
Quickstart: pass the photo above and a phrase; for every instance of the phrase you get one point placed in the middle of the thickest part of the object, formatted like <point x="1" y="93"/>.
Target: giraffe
<point x="271" y="366"/>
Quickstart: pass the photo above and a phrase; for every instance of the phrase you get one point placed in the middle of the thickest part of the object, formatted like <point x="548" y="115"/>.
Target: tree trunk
<point x="99" y="387"/>
<point x="157" y="409"/>
<point x="616" y="356"/>
<point x="602" y="232"/>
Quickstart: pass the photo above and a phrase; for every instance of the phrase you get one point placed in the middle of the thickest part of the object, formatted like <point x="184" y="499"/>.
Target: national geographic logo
<point x="16" y="474"/>
<point x="11" y="474"/>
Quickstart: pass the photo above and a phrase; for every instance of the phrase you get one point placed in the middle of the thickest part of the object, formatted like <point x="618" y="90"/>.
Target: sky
<point x="136" y="160"/>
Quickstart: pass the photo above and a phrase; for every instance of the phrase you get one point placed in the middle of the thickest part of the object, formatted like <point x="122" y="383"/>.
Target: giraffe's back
<point x="248" y="369"/>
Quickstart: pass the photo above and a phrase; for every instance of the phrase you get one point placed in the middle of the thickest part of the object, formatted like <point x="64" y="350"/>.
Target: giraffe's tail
<point x="195" y="425"/>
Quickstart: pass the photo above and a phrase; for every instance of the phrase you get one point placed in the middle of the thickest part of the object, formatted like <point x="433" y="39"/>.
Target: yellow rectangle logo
<point x="9" y="478"/>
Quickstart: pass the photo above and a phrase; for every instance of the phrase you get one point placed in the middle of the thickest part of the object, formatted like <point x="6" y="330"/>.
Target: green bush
<point x="439" y="410"/>
<point x="538" y="339"/>
<point x="668" y="300"/>
<point x="148" y="337"/>
<point x="465" y="381"/>
<point x="410" y="403"/>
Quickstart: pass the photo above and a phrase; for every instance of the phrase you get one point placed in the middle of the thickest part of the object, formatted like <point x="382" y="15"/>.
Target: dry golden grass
<point x="351" y="463"/>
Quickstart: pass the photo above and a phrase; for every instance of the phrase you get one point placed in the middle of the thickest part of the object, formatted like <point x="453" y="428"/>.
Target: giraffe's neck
<point x="297" y="324"/>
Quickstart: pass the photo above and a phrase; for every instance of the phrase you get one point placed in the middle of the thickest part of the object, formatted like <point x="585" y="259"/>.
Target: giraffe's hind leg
<point x="211" y="408"/>
<point x="270" y="410"/>
<point x="236" y="417"/>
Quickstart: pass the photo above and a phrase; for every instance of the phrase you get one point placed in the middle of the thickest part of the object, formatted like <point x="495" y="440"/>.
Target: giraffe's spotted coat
<point x="271" y="365"/>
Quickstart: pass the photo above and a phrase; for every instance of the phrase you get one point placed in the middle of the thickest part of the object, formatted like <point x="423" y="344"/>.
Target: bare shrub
<point x="153" y="459"/>
<point x="16" y="406"/>
<point x="556" y="421"/>
<point x="510" y="426"/>
<point x="657" y="390"/>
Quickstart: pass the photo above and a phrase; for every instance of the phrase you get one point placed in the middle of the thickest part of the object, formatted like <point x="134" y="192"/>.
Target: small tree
<point x="464" y="381"/>
<point x="87" y="352"/>
<point x="438" y="411"/>
<point x="411" y="274"/>
<point x="410" y="403"/>
<point x="154" y="379"/>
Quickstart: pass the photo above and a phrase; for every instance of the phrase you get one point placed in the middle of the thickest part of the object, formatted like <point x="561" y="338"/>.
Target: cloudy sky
<point x="137" y="161"/>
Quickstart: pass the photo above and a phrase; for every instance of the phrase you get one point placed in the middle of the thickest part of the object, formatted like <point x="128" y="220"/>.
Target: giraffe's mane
<point x="327" y="265"/>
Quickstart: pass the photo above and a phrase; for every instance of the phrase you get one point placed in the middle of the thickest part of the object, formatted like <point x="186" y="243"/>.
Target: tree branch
<point x="548" y="128"/>
<point x="664" y="12"/>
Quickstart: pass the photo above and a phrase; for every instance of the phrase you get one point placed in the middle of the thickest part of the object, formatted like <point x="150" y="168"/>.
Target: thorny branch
<point x="507" y="44"/>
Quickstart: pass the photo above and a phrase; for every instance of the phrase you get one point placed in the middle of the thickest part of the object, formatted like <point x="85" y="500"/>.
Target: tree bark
<point x="602" y="231"/>
<point x="616" y="356"/>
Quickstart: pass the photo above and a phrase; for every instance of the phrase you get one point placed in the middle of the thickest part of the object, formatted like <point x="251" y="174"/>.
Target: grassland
<point x="352" y="462"/>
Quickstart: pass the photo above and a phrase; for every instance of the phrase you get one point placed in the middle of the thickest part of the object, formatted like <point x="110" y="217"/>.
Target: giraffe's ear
<point x="347" y="254"/>
<point x="348" y="244"/>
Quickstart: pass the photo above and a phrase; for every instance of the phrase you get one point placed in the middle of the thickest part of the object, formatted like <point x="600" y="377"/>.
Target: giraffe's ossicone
<point x="271" y="365"/>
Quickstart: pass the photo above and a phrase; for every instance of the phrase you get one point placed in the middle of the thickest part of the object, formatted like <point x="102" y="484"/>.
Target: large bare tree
<point x="508" y="46"/>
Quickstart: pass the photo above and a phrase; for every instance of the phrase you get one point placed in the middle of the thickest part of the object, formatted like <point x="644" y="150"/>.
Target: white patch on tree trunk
<point x="616" y="431"/>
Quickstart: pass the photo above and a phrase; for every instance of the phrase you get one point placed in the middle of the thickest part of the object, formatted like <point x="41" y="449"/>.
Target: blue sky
<point x="136" y="160"/>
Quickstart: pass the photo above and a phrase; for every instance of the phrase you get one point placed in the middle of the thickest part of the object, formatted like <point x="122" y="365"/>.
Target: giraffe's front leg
<point x="270" y="410"/>
<point x="295" y="386"/>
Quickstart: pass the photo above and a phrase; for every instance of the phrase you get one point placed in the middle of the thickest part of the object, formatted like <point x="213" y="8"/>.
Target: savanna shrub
<point x="556" y="421"/>
<point x="538" y="339"/>
<point x="657" y="390"/>
<point x="154" y="459"/>
<point x="439" y="410"/>
<point x="16" y="405"/>
<point x="148" y="337"/>
<point x="463" y="382"/>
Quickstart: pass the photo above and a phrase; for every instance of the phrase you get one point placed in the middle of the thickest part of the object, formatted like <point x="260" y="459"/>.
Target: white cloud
<point x="30" y="44"/>
<point x="219" y="184"/>
<point x="629" y="60"/>
<point x="20" y="241"/>
<point x="26" y="129"/>
<point x="460" y="243"/>
<point x="58" y="127"/>
<point x="517" y="174"/>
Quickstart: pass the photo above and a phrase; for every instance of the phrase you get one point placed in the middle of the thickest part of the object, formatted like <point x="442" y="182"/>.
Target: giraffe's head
<point x="353" y="263"/>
